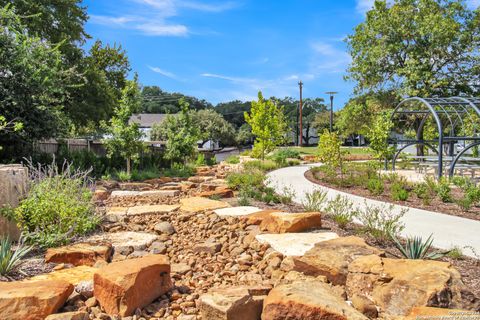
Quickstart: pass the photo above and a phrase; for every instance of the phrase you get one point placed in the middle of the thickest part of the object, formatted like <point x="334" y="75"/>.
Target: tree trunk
<point x="128" y="165"/>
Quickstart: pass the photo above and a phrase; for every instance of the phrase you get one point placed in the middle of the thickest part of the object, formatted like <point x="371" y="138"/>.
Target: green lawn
<point x="351" y="150"/>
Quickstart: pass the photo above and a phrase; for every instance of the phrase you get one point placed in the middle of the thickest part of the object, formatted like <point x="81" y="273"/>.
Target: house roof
<point x="147" y="120"/>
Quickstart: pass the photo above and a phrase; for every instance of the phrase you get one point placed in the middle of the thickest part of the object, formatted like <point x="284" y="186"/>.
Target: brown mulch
<point x="436" y="204"/>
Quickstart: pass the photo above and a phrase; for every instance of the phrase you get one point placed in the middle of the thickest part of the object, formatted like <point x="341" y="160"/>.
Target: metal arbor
<point x="438" y="124"/>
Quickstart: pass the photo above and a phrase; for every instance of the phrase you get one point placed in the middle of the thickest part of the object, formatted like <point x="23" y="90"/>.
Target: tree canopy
<point x="418" y="47"/>
<point x="155" y="100"/>
<point x="212" y="126"/>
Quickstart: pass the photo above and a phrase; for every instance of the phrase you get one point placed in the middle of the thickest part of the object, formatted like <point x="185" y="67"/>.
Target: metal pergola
<point x="448" y="121"/>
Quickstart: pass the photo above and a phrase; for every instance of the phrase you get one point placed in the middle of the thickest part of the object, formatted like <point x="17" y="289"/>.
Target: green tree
<point x="32" y="85"/>
<point x="233" y="111"/>
<point x="157" y="101"/>
<point x="378" y="135"/>
<point x="418" y="47"/>
<point x="126" y="138"/>
<point x="244" y="135"/>
<point x="212" y="126"/>
<point x="329" y="150"/>
<point x="268" y="125"/>
<point x="180" y="133"/>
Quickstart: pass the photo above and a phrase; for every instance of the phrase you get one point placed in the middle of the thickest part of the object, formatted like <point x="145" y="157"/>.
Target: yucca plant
<point x="415" y="248"/>
<point x="10" y="258"/>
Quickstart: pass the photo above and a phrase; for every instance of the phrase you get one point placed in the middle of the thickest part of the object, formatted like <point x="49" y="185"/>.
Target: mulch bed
<point x="436" y="204"/>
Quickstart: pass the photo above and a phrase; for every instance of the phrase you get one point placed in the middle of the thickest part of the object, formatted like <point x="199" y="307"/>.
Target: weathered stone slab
<point x="236" y="303"/>
<point x="79" y="254"/>
<point x="236" y="211"/>
<point x="145" y="194"/>
<point x="313" y="300"/>
<point x="32" y="300"/>
<point x="282" y="222"/>
<point x="125" y="239"/>
<point x="331" y="258"/>
<point x="441" y="313"/>
<point x="295" y="244"/>
<point x="134" y="186"/>
<point x="153" y="209"/>
<point x="219" y="192"/>
<point x="122" y="287"/>
<point x="198" y="204"/>
<point x="72" y="275"/>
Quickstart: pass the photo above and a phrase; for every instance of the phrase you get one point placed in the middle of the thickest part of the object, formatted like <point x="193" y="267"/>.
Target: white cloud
<point x="163" y="72"/>
<point x="364" y="5"/>
<point x="156" y="13"/>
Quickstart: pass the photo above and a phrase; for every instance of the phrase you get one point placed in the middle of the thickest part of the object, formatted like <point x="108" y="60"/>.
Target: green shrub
<point x="415" y="248"/>
<point x="11" y="259"/>
<point x="380" y="221"/>
<point x="123" y="176"/>
<point x="58" y="207"/>
<point x="340" y="210"/>
<point x="253" y="178"/>
<point x="443" y="190"/>
<point x="375" y="186"/>
<point x="262" y="165"/>
<point x="455" y="253"/>
<point x="204" y="161"/>
<point x="233" y="160"/>
<point x="280" y="156"/>
<point x="146" y="174"/>
<point x="293" y="162"/>
<point x="286" y="195"/>
<point x="269" y="196"/>
<point x="7" y="212"/>
<point x="179" y="170"/>
<point x="423" y="192"/>
<point x="243" y="198"/>
<point x="315" y="200"/>
<point x="398" y="192"/>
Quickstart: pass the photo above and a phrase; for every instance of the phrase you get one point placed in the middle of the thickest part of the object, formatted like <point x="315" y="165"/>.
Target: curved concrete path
<point x="448" y="231"/>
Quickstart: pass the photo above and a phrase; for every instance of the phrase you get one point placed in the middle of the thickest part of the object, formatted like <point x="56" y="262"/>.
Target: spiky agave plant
<point x="416" y="248"/>
<point x="11" y="258"/>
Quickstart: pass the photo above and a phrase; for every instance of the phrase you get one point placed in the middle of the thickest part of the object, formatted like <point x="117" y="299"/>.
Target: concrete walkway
<point x="448" y="231"/>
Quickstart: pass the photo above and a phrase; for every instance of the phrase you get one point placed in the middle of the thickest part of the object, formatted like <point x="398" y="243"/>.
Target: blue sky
<point x="224" y="50"/>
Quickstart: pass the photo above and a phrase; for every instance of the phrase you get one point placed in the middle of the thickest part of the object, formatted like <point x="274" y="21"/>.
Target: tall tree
<point x="233" y="111"/>
<point x="418" y="47"/>
<point x="126" y="137"/>
<point x="268" y="125"/>
<point x="212" y="126"/>
<point x="155" y="100"/>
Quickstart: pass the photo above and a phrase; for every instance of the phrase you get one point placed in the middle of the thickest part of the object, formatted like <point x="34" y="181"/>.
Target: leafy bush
<point x="145" y="174"/>
<point x="315" y="200"/>
<point x="415" y="248"/>
<point x="204" y="161"/>
<point x="254" y="178"/>
<point x="262" y="165"/>
<point x="286" y="195"/>
<point x="243" y="199"/>
<point x="375" y="186"/>
<point x="329" y="150"/>
<point x="340" y="210"/>
<point x="423" y="192"/>
<point x="233" y="160"/>
<point x="280" y="156"/>
<point x="123" y="176"/>
<point x="455" y="253"/>
<point x="399" y="192"/>
<point x="11" y="259"/>
<point x="293" y="162"/>
<point x="7" y="212"/>
<point x="443" y="190"/>
<point x="58" y="206"/>
<point x="179" y="170"/>
<point x="380" y="221"/>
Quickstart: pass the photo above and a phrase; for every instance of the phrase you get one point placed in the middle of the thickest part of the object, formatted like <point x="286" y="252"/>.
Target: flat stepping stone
<point x="295" y="244"/>
<point x="161" y="208"/>
<point x="146" y="194"/>
<point x="79" y="254"/>
<point x="236" y="211"/>
<point x="123" y="240"/>
<point x="72" y="275"/>
<point x="198" y="204"/>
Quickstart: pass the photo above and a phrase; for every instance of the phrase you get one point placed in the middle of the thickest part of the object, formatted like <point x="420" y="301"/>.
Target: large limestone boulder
<point x="396" y="286"/>
<point x="256" y="218"/>
<point x="313" y="300"/>
<point x="80" y="254"/>
<point x="237" y="303"/>
<point x="281" y="222"/>
<point x="125" y="240"/>
<point x="32" y="300"/>
<point x="121" y="287"/>
<point x="331" y="258"/>
<point x="198" y="204"/>
<point x="295" y="244"/>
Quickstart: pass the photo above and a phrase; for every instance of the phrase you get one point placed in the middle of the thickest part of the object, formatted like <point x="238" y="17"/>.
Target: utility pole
<point x="331" y="93"/>
<point x="300" y="84"/>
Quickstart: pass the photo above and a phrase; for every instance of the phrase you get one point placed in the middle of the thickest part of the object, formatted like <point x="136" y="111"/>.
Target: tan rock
<point x="101" y="194"/>
<point x="74" y="315"/>
<point x="313" y="300"/>
<point x="211" y="247"/>
<point x="396" y="286"/>
<point x="79" y="254"/>
<point x="441" y="313"/>
<point x="237" y="303"/>
<point x="198" y="204"/>
<point x="222" y="193"/>
<point x="331" y="258"/>
<point x="121" y="287"/>
<point x="257" y="217"/>
<point x="72" y="275"/>
<point x="152" y="209"/>
<point x="135" y="186"/>
<point x="281" y="222"/>
<point x="365" y="306"/>
<point x="199" y="179"/>
<point x="32" y="300"/>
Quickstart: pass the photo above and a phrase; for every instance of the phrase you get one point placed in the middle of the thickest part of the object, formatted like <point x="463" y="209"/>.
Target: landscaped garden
<point x="106" y="215"/>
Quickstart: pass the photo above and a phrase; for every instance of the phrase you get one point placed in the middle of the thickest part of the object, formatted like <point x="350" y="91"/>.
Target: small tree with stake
<point x="268" y="125"/>
<point x="378" y="135"/>
<point x="125" y="137"/>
